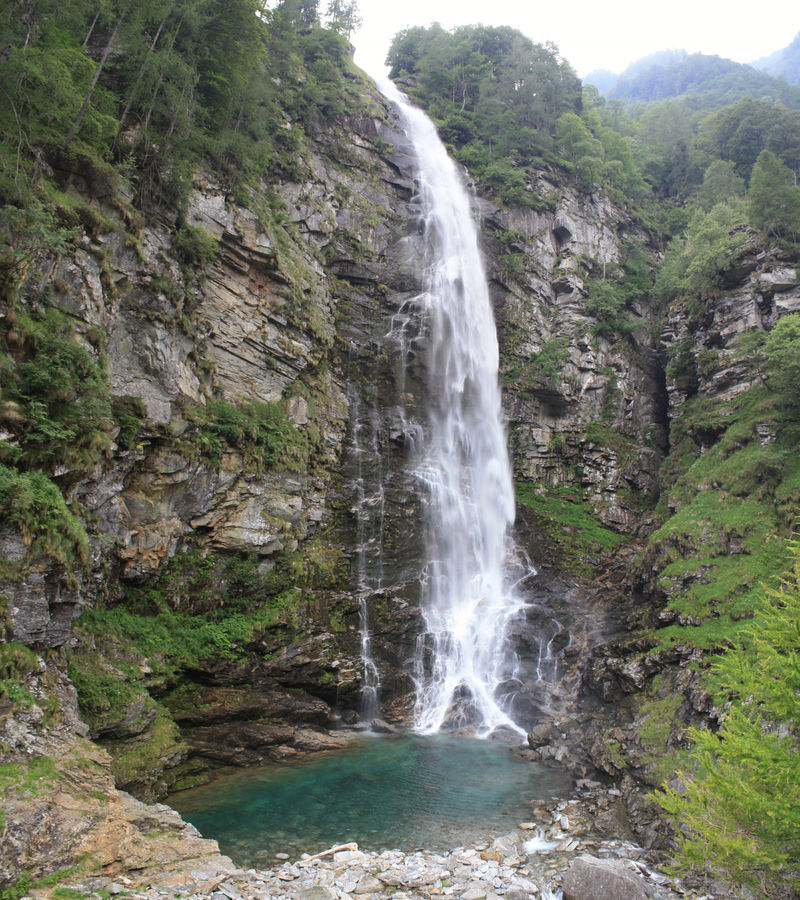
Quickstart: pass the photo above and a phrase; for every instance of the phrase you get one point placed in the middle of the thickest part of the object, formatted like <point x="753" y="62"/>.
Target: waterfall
<point x="369" y="516"/>
<point x="463" y="666"/>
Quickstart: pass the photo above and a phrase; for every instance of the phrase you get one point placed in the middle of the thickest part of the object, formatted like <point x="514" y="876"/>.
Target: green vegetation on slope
<point x="144" y="92"/>
<point x="201" y="606"/>
<point x="708" y="81"/>
<point x="730" y="496"/>
<point x="571" y="524"/>
<point x="496" y="95"/>
<point x="739" y="805"/>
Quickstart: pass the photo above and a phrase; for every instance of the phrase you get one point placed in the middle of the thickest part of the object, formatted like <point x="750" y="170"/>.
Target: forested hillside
<point x="783" y="63"/>
<point x="702" y="81"/>
<point x="146" y="91"/>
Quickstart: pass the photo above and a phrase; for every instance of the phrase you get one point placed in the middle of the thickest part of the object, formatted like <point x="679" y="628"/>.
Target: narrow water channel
<point x="401" y="792"/>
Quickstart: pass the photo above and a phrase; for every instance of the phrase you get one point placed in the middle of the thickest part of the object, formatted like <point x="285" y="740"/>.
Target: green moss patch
<point x="570" y="522"/>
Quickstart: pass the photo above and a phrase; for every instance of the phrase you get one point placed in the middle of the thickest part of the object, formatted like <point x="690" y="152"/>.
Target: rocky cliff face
<point x="585" y="403"/>
<point x="291" y="308"/>
<point x="699" y="573"/>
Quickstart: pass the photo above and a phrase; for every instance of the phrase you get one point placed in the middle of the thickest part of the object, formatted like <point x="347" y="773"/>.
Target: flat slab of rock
<point x="589" y="878"/>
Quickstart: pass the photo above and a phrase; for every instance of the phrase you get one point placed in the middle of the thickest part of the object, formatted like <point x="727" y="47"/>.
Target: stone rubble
<point x="530" y="863"/>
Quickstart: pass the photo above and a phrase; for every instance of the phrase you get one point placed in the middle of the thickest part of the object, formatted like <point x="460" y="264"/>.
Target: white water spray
<point x="463" y="659"/>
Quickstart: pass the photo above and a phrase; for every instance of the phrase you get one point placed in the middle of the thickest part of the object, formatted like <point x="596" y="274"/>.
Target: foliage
<point x="261" y="432"/>
<point x="546" y="363"/>
<point x="774" y="198"/>
<point x="17" y="662"/>
<point x="709" y="81"/>
<point x="26" y="234"/>
<point x="105" y="692"/>
<point x="170" y="641"/>
<point x="606" y="302"/>
<point x="132" y="760"/>
<point x="728" y="501"/>
<point x="33" y="777"/>
<point x="696" y="264"/>
<point x="54" y="394"/>
<point x="496" y="94"/>
<point x="721" y="184"/>
<point x="570" y="521"/>
<point x="194" y="246"/>
<point x="202" y="606"/>
<point x="143" y="92"/>
<point x="31" y="502"/>
<point x="197" y="583"/>
<point x="129" y="413"/>
<point x="781" y="348"/>
<point x="740" y="132"/>
<point x="739" y="810"/>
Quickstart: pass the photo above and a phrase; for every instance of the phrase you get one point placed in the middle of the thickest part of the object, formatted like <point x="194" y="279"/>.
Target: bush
<point x="55" y="395"/>
<point x="261" y="432"/>
<point x="194" y="246"/>
<point x="31" y="502"/>
<point x="606" y="302"/>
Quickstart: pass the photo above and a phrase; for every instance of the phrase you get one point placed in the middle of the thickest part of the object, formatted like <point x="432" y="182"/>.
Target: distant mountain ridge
<point x="709" y="81"/>
<point x="783" y="63"/>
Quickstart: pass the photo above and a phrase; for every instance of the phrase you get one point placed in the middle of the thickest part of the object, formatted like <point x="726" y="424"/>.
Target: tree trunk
<point x="123" y="118"/>
<point x="91" y="29"/>
<point x="103" y="58"/>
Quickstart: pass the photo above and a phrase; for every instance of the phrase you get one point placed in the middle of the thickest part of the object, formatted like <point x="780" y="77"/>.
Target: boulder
<point x="589" y="878"/>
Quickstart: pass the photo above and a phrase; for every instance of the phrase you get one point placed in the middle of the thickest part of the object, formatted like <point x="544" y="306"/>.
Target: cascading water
<point x="369" y="515"/>
<point x="463" y="661"/>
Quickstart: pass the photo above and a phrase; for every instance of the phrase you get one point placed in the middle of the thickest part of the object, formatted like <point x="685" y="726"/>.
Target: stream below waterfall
<point x="383" y="792"/>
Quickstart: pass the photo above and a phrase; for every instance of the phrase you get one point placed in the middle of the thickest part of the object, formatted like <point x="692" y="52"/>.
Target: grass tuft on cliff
<point x="260" y="431"/>
<point x="570" y="523"/>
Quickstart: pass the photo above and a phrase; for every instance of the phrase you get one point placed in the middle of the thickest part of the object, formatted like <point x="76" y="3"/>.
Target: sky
<point x="595" y="34"/>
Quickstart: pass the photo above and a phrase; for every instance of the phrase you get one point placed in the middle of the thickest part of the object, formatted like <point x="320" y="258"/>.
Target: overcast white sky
<point x="596" y="34"/>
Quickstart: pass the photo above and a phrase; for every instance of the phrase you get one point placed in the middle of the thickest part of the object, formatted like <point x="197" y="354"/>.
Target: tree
<point x="720" y="184"/>
<point x="739" y="811"/>
<point x="303" y="14"/>
<point x="343" y="16"/>
<point x="87" y="99"/>
<point x="774" y="200"/>
<point x="782" y="358"/>
<point x="740" y="132"/>
<point x="696" y="263"/>
<point x="581" y="148"/>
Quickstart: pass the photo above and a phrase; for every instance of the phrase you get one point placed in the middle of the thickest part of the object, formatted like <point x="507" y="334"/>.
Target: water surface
<point x="434" y="792"/>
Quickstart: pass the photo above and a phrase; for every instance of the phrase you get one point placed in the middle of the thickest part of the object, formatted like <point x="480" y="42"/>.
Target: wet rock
<point x="509" y="849"/>
<point x="379" y="726"/>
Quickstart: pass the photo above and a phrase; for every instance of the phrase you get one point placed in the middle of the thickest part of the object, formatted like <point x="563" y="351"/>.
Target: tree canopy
<point x="153" y="87"/>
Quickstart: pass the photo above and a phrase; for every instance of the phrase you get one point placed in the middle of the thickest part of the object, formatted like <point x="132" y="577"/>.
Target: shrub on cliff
<point x="261" y="432"/>
<point x="34" y="505"/>
<point x="739" y="812"/>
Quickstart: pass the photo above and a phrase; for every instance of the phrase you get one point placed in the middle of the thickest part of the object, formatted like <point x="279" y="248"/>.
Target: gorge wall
<point x="225" y="564"/>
